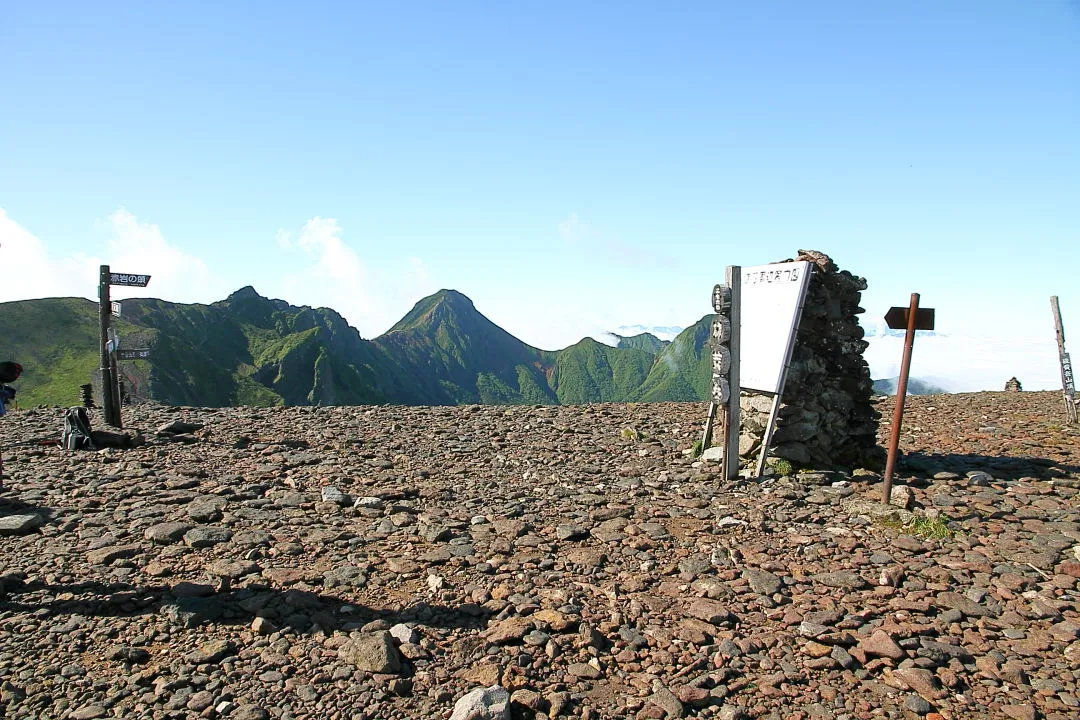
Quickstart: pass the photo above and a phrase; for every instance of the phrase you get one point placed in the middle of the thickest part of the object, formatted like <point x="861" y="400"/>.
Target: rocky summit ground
<point x="473" y="562"/>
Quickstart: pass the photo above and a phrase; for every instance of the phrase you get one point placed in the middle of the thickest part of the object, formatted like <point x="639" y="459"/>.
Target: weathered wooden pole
<point x="901" y="394"/>
<point x="110" y="412"/>
<point x="732" y="416"/>
<point x="1068" y="387"/>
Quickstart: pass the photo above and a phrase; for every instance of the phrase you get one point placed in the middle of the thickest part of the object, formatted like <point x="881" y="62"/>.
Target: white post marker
<point x="772" y="303"/>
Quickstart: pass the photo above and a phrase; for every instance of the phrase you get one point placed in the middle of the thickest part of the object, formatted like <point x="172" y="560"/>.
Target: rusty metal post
<point x="901" y="394"/>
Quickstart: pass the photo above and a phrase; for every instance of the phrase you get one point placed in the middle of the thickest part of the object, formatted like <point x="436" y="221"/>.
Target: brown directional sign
<point x="897" y="318"/>
<point x="130" y="279"/>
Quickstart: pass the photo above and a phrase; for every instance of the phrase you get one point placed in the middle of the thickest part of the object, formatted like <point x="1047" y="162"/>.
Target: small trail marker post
<point x="725" y="371"/>
<point x="1068" y="388"/>
<point x="911" y="318"/>
<point x="107" y="342"/>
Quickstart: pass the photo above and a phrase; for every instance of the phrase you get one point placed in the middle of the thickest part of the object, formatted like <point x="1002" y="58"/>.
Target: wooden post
<point x="1067" y="384"/>
<point x="901" y="394"/>
<point x="110" y="413"/>
<point x="732" y="416"/>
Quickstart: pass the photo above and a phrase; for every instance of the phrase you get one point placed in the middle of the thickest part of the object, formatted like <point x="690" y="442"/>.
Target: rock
<point x="710" y="611"/>
<point x="509" y="630"/>
<point x="21" y="523"/>
<point x="333" y="495"/>
<point x="917" y="705"/>
<point x="583" y="670"/>
<point x="902" y="497"/>
<point x="881" y="644"/>
<point x="492" y="703"/>
<point x="921" y="681"/>
<point x="371" y="652"/>
<point x="763" y="582"/>
<point x="110" y="554"/>
<point x="179" y="427"/>
<point x="666" y="701"/>
<point x="201" y="537"/>
<point x="968" y="607"/>
<point x="211" y="652"/>
<point x="167" y="533"/>
<point x="845" y="580"/>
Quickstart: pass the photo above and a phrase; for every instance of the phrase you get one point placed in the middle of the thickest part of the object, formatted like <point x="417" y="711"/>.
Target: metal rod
<point x="901" y="394"/>
<point x="104" y="310"/>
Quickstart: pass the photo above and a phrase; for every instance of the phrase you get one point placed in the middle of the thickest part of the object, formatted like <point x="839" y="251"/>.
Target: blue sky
<point x="574" y="168"/>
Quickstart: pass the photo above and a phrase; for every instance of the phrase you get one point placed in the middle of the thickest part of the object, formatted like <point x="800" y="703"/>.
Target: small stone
<point x="21" y="524"/>
<point x="583" y="670"/>
<point x="509" y="630"/>
<point x="249" y="712"/>
<point x="917" y="705"/>
<point x="710" y="611"/>
<point x="167" y="533"/>
<point x="846" y="580"/>
<point x="112" y="553"/>
<point x="492" y="703"/>
<point x="371" y="652"/>
<point x="89" y="712"/>
<point x="763" y="582"/>
<point x="211" y="652"/>
<point x="881" y="644"/>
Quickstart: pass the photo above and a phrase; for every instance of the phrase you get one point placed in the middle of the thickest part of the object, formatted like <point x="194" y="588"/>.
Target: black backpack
<point x="76" y="435"/>
<point x="9" y="371"/>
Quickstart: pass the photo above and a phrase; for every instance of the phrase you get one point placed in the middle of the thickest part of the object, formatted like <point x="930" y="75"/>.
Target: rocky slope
<point x="389" y="562"/>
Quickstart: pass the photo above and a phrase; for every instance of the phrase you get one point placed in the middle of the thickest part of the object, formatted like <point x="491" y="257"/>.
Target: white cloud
<point x="131" y="246"/>
<point x="572" y="229"/>
<point x="29" y="272"/>
<point x="968" y="362"/>
<point x="140" y="247"/>
<point x="336" y="277"/>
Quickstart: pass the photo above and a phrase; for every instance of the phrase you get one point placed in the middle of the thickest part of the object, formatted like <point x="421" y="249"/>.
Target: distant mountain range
<point x="915" y="386"/>
<point x="251" y="350"/>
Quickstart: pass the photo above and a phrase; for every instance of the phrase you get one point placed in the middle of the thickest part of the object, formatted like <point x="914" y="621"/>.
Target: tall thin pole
<point x="732" y="419"/>
<point x="901" y="394"/>
<point x="111" y="417"/>
<point x="1067" y="383"/>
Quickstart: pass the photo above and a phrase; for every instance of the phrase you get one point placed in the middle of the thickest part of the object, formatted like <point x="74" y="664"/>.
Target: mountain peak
<point x="425" y="309"/>
<point x="245" y="293"/>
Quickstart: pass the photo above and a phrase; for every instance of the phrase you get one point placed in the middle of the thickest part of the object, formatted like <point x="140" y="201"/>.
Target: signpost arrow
<point x="129" y="279"/>
<point x="911" y="318"/>
<point x="134" y="354"/>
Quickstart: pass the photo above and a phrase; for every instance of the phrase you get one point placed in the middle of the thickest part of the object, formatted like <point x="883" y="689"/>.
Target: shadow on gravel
<point x="301" y="610"/>
<point x="1002" y="467"/>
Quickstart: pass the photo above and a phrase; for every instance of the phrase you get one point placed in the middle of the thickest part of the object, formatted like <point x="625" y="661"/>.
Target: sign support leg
<point x="901" y="394"/>
<point x="770" y="426"/>
<point x="706" y="436"/>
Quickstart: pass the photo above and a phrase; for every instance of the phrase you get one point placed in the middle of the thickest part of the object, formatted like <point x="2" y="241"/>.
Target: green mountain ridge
<point x="252" y="350"/>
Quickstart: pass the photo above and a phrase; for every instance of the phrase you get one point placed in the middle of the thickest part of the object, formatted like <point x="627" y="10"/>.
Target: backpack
<point x="10" y="371"/>
<point x="76" y="435"/>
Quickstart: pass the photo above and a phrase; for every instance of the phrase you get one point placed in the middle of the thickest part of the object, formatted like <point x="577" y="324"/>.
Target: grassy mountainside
<point x="456" y="355"/>
<point x="590" y="371"/>
<point x="683" y="370"/>
<point x="643" y="341"/>
<point x="251" y="350"/>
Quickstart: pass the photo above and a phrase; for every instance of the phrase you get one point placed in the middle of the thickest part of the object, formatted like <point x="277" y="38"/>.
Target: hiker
<point x="9" y="372"/>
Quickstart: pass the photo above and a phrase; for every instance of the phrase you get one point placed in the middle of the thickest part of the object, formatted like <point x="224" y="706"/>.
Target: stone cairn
<point x="825" y="417"/>
<point x="1013" y="385"/>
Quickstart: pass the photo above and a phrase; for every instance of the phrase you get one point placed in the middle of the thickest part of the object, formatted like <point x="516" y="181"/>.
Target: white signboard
<point x="772" y="298"/>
